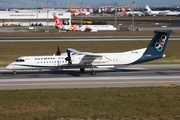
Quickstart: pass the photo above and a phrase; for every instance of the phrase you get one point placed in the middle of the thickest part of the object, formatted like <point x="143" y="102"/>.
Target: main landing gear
<point x="82" y="70"/>
<point x="93" y="72"/>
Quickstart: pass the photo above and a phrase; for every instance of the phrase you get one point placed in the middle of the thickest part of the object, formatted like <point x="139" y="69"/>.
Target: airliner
<point x="75" y="13"/>
<point x="83" y="60"/>
<point x="130" y="13"/>
<point x="92" y="28"/>
<point x="154" y="13"/>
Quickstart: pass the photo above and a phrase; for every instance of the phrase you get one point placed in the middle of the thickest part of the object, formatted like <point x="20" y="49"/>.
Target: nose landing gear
<point x="93" y="72"/>
<point x="14" y="72"/>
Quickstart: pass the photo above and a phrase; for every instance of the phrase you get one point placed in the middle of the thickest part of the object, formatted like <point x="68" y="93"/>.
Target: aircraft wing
<point x="86" y="54"/>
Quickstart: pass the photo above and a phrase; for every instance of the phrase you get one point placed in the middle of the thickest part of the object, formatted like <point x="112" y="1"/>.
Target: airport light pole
<point x="36" y="14"/>
<point x="133" y="15"/>
<point x="47" y="17"/>
<point x="115" y="23"/>
<point x="81" y="14"/>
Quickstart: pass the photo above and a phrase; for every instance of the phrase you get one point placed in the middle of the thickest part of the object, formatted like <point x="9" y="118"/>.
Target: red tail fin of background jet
<point x="58" y="22"/>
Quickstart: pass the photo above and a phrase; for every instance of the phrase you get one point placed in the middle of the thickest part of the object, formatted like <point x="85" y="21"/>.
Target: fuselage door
<point x="119" y="59"/>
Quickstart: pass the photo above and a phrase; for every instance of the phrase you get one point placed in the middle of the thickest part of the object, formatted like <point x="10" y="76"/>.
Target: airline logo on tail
<point x="159" y="45"/>
<point x="57" y="21"/>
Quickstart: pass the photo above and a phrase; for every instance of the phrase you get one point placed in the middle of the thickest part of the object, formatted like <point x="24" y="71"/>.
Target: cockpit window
<point x="19" y="60"/>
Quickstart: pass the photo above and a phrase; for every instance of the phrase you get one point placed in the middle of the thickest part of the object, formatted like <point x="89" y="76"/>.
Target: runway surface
<point x="132" y="76"/>
<point x="95" y="38"/>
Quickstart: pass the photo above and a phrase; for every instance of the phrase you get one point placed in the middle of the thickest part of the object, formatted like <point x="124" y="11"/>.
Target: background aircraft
<point x="95" y="28"/>
<point x="75" y="13"/>
<point x="130" y="13"/>
<point x="82" y="60"/>
<point x="154" y="13"/>
<point x="92" y="28"/>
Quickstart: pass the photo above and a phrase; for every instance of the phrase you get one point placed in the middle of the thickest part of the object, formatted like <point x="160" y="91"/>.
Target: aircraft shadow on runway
<point x="75" y="73"/>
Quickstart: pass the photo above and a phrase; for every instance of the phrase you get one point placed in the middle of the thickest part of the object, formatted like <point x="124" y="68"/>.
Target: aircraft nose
<point x="9" y="67"/>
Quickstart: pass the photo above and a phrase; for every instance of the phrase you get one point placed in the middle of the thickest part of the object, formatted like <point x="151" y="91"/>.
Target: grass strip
<point x="107" y="103"/>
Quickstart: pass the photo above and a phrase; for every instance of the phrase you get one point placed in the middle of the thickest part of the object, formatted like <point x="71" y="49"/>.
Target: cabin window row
<point x="47" y="58"/>
<point x="51" y="61"/>
<point x="44" y="58"/>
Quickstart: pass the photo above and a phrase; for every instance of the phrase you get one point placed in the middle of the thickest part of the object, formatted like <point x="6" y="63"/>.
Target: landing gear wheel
<point x="14" y="72"/>
<point x="82" y="70"/>
<point x="93" y="72"/>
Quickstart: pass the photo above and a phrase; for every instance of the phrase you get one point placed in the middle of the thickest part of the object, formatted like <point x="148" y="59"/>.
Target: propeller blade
<point x="58" y="52"/>
<point x="69" y="57"/>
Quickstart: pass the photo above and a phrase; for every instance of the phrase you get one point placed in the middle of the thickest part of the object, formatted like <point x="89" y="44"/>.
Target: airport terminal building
<point x="38" y="17"/>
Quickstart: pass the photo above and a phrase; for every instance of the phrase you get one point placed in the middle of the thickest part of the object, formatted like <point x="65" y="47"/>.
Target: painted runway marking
<point x="166" y="84"/>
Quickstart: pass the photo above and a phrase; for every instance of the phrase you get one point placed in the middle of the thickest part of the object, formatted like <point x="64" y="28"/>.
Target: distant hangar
<point x="38" y="17"/>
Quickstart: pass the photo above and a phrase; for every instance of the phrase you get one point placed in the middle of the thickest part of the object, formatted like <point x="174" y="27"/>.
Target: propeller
<point x="58" y="52"/>
<point x="69" y="57"/>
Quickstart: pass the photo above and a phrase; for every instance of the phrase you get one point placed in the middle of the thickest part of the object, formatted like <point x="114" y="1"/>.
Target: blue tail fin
<point x="156" y="48"/>
<point x="158" y="43"/>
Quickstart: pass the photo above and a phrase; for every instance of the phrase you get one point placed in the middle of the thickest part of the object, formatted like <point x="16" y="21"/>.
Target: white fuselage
<point x="78" y="61"/>
<point x="154" y="13"/>
<point x="136" y="13"/>
<point x="159" y="13"/>
<point x="101" y="27"/>
<point x="92" y="27"/>
<point x="173" y="13"/>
